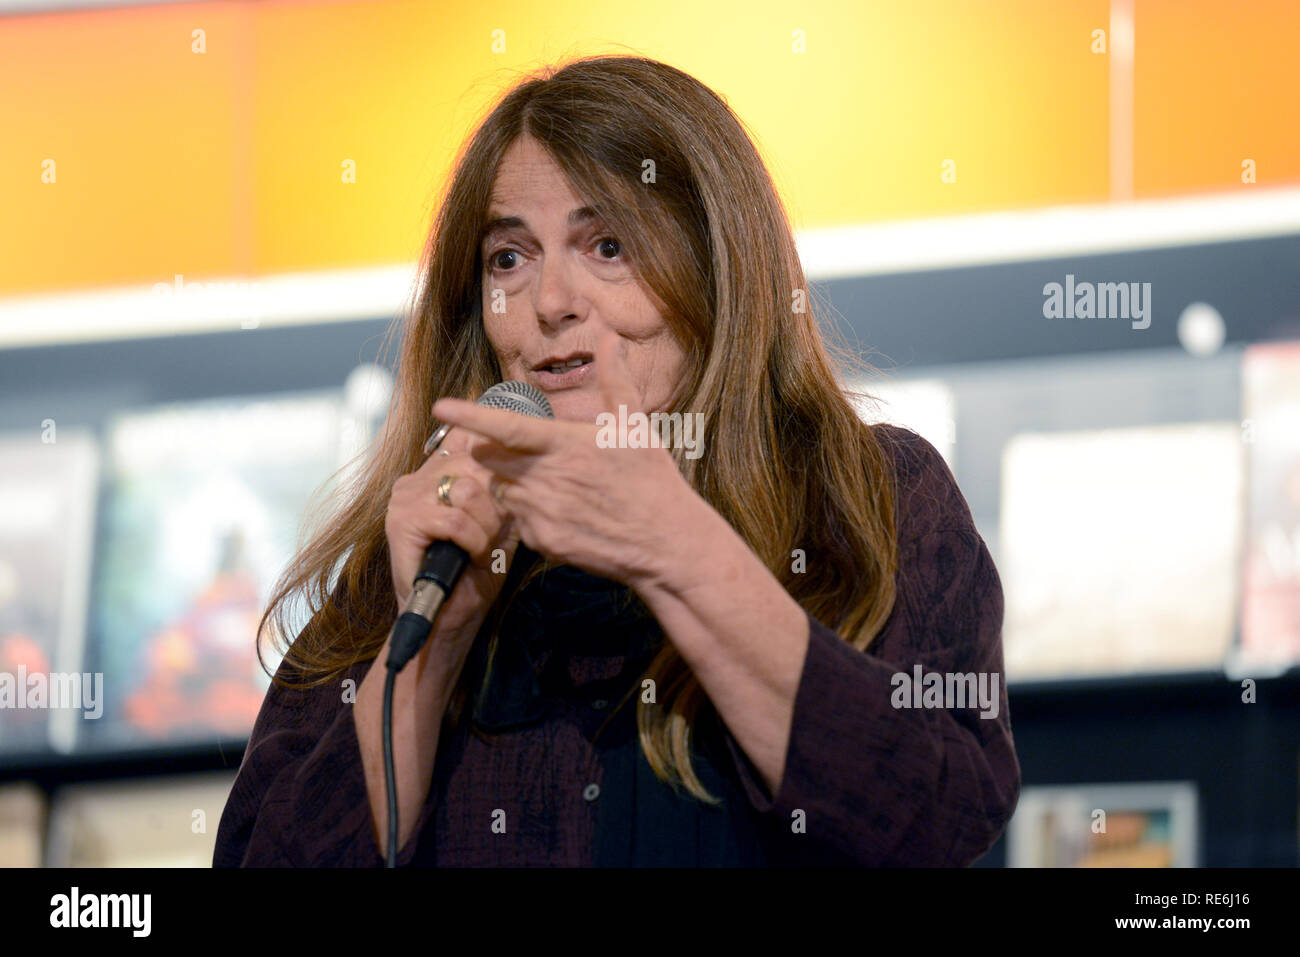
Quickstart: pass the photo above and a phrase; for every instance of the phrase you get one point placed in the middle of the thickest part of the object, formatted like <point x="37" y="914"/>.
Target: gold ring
<point x="444" y="489"/>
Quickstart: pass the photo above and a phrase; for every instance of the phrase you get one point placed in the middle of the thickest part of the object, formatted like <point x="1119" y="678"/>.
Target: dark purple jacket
<point x="546" y="768"/>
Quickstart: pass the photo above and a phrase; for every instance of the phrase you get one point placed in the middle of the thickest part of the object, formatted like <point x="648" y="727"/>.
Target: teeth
<point x="565" y="366"/>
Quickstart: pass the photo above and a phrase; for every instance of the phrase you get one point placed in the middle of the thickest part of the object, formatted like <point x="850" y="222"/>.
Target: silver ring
<point x="435" y="440"/>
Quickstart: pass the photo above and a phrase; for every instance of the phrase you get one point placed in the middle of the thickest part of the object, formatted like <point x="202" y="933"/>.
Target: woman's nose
<point x="555" y="298"/>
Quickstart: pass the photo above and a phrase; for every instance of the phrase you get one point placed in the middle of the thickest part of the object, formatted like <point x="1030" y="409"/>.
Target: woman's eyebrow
<point x="582" y="214"/>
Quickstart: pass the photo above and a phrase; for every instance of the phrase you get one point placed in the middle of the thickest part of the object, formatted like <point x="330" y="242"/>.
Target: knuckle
<point x="473" y="490"/>
<point x="450" y="519"/>
<point x="459" y="525"/>
<point x="468" y="533"/>
<point x="432" y="465"/>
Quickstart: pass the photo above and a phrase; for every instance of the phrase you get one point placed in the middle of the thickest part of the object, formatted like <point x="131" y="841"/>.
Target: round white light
<point x="1201" y="330"/>
<point x="368" y="390"/>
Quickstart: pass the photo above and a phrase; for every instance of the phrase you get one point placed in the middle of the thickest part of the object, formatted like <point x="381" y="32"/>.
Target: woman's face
<point x="554" y="279"/>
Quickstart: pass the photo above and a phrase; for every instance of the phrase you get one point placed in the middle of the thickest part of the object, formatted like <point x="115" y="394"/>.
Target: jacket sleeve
<point x="880" y="782"/>
<point x="300" y="797"/>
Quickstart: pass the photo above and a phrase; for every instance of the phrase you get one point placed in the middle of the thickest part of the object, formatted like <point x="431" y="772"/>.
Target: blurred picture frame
<point x="49" y="487"/>
<point x="160" y="822"/>
<point x="1142" y="824"/>
<point x="1270" y="568"/>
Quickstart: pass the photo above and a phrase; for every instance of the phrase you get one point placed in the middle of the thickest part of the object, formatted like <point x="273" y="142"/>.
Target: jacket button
<point x="591" y="792"/>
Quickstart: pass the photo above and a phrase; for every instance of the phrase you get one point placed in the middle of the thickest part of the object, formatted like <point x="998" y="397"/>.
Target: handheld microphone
<point x="444" y="562"/>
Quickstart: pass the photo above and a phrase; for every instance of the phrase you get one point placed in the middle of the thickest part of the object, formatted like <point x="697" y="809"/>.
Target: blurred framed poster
<point x="161" y="823"/>
<point x="1119" y="549"/>
<point x="926" y="406"/>
<point x="1106" y="825"/>
<point x="1270" y="604"/>
<point x="48" y="487"/>
<point x="204" y="510"/>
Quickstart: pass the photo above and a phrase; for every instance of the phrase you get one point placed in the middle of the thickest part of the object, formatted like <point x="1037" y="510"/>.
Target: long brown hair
<point x="789" y="464"/>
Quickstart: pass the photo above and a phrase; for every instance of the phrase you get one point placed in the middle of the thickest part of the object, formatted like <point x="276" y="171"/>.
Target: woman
<point x="655" y="656"/>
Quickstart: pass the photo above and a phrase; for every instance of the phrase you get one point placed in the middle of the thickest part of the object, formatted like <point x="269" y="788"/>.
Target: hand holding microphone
<point x="442" y="521"/>
<point x="466" y="515"/>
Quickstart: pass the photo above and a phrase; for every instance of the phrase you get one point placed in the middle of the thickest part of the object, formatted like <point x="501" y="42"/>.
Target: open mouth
<point x="561" y="366"/>
<point x="563" y="372"/>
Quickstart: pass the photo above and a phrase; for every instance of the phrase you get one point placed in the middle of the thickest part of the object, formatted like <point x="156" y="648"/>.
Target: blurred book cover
<point x="1270" y="606"/>
<point x="168" y="822"/>
<point x="205" y="509"/>
<point x="1105" y="825"/>
<point x="22" y="825"/>
<point x="1119" y="549"/>
<point x="48" y="487"/>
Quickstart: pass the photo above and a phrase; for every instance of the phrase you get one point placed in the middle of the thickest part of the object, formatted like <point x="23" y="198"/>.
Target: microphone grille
<point x="514" y="396"/>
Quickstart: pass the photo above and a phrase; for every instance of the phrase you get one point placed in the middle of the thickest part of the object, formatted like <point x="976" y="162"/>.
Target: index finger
<point x="520" y="433"/>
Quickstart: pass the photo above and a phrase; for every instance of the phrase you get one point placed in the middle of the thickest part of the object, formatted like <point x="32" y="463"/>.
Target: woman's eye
<point x="494" y="261"/>
<point x="607" y="242"/>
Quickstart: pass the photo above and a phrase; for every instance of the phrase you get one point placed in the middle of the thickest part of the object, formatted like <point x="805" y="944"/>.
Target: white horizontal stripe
<point x="380" y="292"/>
<point x="64" y="6"/>
<point x="1047" y="233"/>
<point x="208" y="305"/>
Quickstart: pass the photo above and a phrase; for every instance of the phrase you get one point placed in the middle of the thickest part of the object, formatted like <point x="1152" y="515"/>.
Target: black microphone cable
<point x="443" y="564"/>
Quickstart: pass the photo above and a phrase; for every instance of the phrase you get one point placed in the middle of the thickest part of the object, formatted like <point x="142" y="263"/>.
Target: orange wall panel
<point x="230" y="162"/>
<point x="144" y="136"/>
<point x="1218" y="83"/>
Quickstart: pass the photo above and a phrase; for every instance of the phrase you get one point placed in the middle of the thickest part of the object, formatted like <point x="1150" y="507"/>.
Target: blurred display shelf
<point x="1242" y="758"/>
<point x="51" y="770"/>
<point x="1094" y="728"/>
<point x="1165" y="688"/>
